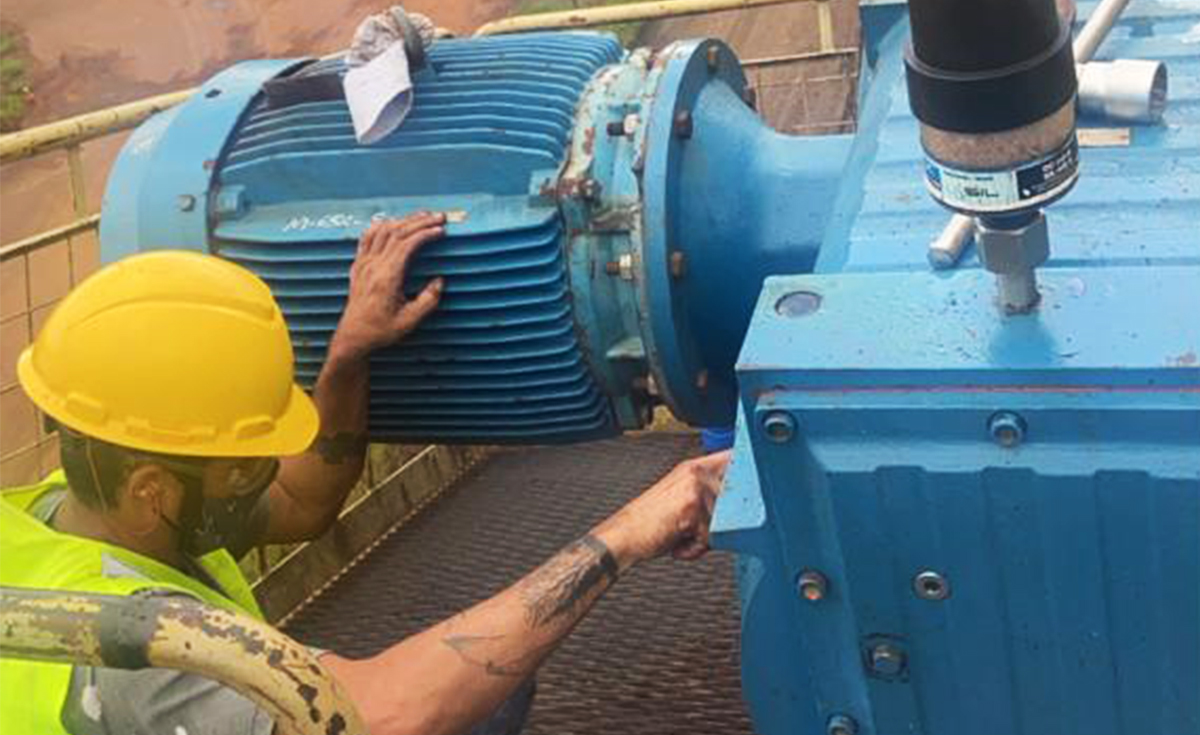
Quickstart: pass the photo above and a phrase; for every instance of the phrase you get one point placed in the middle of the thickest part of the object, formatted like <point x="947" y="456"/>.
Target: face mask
<point x="208" y="523"/>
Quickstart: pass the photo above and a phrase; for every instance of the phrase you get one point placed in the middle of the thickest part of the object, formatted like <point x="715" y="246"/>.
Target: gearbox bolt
<point x="841" y="725"/>
<point x="812" y="585"/>
<point x="887" y="660"/>
<point x="1007" y="429"/>
<point x="779" y="426"/>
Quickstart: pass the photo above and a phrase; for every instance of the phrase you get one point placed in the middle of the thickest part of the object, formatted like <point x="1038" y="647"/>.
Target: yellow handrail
<point x="589" y="17"/>
<point x="76" y="130"/>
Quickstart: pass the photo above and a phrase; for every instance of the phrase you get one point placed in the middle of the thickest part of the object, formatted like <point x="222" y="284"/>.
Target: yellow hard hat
<point x="173" y="352"/>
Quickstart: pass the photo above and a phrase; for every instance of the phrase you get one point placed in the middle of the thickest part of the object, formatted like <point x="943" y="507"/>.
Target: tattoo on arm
<point x="341" y="447"/>
<point x="560" y="585"/>
<point x="465" y="645"/>
<point x="556" y="589"/>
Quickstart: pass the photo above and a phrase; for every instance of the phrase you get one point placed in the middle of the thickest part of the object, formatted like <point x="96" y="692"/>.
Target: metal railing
<point x="174" y="632"/>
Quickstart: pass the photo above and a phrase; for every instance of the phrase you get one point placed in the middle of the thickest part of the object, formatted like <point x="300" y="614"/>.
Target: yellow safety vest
<point x="32" y="555"/>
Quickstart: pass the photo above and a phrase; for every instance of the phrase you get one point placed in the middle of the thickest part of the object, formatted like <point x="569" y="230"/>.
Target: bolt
<point x="702" y="381"/>
<point x="678" y="262"/>
<point x="625" y="267"/>
<point x="713" y="57"/>
<point x="186" y="202"/>
<point x="750" y="97"/>
<point x="589" y="190"/>
<point x="615" y="128"/>
<point x="812" y="586"/>
<point x="841" y="725"/>
<point x="683" y="124"/>
<point x="779" y="426"/>
<point x="1007" y="429"/>
<point x="930" y="585"/>
<point x="887" y="660"/>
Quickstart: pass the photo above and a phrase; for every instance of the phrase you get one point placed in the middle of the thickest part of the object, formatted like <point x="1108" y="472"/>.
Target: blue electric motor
<point x="613" y="217"/>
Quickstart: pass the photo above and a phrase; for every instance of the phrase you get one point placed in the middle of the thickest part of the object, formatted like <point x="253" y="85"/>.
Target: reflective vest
<point x="36" y="556"/>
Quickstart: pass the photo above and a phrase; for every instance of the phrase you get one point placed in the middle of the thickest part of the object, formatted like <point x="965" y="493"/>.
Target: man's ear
<point x="146" y="493"/>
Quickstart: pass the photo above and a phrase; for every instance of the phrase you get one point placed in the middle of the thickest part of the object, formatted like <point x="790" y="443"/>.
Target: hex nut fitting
<point x="1016" y="250"/>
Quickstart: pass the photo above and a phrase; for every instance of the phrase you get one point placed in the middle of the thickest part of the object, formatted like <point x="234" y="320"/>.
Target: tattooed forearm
<point x="341" y="447"/>
<point x="468" y="649"/>
<point x="571" y="577"/>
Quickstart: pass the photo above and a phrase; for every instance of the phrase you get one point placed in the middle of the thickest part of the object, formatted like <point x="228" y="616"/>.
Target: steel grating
<point x="659" y="655"/>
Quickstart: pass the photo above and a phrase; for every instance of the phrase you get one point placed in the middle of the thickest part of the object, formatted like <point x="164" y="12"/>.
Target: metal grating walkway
<point x="659" y="655"/>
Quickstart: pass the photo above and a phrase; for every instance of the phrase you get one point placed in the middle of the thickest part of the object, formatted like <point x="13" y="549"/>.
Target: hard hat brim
<point x="292" y="432"/>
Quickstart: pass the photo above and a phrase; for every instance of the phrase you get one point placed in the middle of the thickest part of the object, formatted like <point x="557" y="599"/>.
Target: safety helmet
<point x="173" y="352"/>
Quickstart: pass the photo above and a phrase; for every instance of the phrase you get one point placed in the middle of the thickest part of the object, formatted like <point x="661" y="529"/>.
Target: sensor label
<point x="1004" y="191"/>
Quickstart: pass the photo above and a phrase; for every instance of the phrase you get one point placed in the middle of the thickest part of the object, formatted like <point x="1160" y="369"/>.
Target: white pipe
<point x="1099" y="24"/>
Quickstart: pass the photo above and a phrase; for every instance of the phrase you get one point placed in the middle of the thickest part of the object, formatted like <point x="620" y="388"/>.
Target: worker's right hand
<point x="671" y="517"/>
<point x="377" y="312"/>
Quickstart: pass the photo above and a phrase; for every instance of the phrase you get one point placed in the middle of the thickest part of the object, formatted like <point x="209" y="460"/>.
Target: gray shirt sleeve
<point x="159" y="702"/>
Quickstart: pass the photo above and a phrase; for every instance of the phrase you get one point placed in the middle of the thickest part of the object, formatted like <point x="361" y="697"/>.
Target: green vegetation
<point x="627" y="32"/>
<point x="14" y="87"/>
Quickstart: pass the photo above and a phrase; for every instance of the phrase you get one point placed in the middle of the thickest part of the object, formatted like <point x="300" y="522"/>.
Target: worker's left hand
<point x="377" y="312"/>
<point x="671" y="517"/>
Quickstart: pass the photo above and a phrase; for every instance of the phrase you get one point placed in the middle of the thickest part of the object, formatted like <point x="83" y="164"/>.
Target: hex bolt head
<point x="677" y="264"/>
<point x="712" y="57"/>
<point x="841" y="725"/>
<point x="1007" y="429"/>
<point x="186" y="202"/>
<point x="625" y="267"/>
<point x="778" y="426"/>
<point x="812" y="586"/>
<point x="683" y="124"/>
<point x="590" y="189"/>
<point x="887" y="660"/>
<point x="932" y="586"/>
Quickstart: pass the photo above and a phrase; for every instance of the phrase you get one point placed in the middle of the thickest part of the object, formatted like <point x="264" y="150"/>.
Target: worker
<point x="170" y="378"/>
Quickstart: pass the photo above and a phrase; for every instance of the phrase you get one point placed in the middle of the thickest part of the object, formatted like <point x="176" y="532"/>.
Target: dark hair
<point x="96" y="469"/>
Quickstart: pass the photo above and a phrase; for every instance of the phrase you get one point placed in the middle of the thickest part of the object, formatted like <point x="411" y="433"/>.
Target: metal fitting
<point x="186" y="202"/>
<point x="1007" y="429"/>
<point x="778" y="426"/>
<point x="677" y="264"/>
<point x="625" y="267"/>
<point x="1013" y="248"/>
<point x="887" y="660"/>
<point x="683" y="124"/>
<point x="812" y="586"/>
<point x="929" y="585"/>
<point x="712" y="56"/>
<point x="1124" y="90"/>
<point x="589" y="190"/>
<point x="841" y="725"/>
